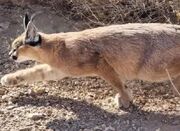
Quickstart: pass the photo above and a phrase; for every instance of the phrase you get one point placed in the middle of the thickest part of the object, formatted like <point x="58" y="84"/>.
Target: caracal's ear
<point x="25" y="21"/>
<point x="31" y="34"/>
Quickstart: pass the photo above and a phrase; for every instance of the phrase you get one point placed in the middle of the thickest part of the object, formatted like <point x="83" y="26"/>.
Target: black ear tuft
<point x="26" y="21"/>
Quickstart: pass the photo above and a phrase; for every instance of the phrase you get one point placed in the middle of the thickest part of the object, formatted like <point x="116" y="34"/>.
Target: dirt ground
<point x="76" y="104"/>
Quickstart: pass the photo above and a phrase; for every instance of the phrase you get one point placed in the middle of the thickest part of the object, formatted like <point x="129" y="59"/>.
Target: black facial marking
<point x="34" y="42"/>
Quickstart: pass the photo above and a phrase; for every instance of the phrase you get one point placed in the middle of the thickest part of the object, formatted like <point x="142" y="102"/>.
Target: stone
<point x="36" y="116"/>
<point x="11" y="107"/>
<point x="26" y="129"/>
<point x="109" y="128"/>
<point x="2" y="91"/>
<point x="4" y="26"/>
<point x="5" y="98"/>
<point x="2" y="111"/>
<point x="37" y="91"/>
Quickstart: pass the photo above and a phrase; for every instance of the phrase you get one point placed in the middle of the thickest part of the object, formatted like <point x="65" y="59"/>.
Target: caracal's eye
<point x="17" y="45"/>
<point x="12" y="51"/>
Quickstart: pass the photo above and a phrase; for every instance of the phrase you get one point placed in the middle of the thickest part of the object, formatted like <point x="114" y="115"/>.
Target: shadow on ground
<point x="89" y="115"/>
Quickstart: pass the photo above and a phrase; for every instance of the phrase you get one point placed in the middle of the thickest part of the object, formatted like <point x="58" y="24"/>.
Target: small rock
<point x="13" y="99"/>
<point x="11" y="115"/>
<point x="90" y="97"/>
<point x="158" y="129"/>
<point x="37" y="91"/>
<point x="36" y="116"/>
<point x="49" y="112"/>
<point x="11" y="107"/>
<point x="64" y="114"/>
<point x="2" y="91"/>
<point x="2" y="112"/>
<point x="97" y="128"/>
<point x="176" y="122"/>
<point x="87" y="130"/>
<point x="5" y="98"/>
<point x="165" y="106"/>
<point x="110" y="128"/>
<point x="127" y="122"/>
<point x="109" y="100"/>
<point x="4" y="26"/>
<point x="26" y="129"/>
<point x="10" y="98"/>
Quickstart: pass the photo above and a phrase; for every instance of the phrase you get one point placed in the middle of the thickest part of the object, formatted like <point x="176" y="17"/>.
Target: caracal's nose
<point x="14" y="57"/>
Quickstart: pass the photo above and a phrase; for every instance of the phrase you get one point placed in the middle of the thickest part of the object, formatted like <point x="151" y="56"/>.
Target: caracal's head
<point x="26" y="46"/>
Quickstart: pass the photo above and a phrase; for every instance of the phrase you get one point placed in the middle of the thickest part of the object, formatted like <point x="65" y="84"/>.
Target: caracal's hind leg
<point x="123" y="97"/>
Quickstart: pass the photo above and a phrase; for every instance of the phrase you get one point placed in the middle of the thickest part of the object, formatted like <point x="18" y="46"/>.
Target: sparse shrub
<point x="105" y="12"/>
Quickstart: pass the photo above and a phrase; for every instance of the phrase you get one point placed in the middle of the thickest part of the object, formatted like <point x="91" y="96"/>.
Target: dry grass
<point x="105" y="12"/>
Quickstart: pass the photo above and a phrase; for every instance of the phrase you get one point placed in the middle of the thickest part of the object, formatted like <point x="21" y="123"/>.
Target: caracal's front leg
<point x="36" y="73"/>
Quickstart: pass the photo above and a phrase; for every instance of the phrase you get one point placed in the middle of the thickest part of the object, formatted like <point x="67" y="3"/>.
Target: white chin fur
<point x="21" y="59"/>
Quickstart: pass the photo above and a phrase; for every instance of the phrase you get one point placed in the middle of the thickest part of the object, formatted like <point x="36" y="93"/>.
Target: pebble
<point x="37" y="91"/>
<point x="11" y="107"/>
<point x="87" y="130"/>
<point x="2" y="112"/>
<point x="5" y="98"/>
<point x="4" y="26"/>
<point x="165" y="106"/>
<point x="49" y="112"/>
<point x="109" y="128"/>
<point x="26" y="129"/>
<point x="176" y="122"/>
<point x="158" y="129"/>
<point x="97" y="128"/>
<point x="2" y="91"/>
<point x="10" y="98"/>
<point x="36" y="116"/>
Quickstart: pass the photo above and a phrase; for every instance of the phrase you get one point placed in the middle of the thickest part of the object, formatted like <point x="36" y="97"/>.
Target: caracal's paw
<point x="9" y="80"/>
<point x="123" y="101"/>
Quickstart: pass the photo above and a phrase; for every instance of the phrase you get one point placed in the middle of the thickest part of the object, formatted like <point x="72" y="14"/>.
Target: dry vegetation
<point x="105" y="12"/>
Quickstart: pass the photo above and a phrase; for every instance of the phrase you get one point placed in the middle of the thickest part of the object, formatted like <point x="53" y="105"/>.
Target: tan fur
<point x="115" y="53"/>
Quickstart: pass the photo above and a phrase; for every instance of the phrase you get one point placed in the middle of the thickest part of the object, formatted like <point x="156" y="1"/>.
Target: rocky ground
<point x="75" y="104"/>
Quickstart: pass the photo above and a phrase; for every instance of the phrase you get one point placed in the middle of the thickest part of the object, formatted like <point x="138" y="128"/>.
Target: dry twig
<point x="172" y="82"/>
